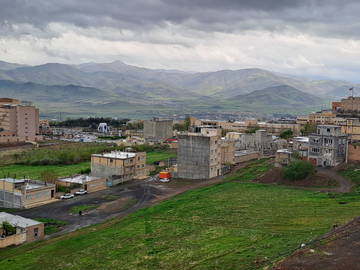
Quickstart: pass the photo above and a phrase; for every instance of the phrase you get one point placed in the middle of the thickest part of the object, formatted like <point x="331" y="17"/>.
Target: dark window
<point x="36" y="232"/>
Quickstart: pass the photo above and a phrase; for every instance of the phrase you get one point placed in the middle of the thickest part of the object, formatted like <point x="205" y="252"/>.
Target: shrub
<point x="287" y="134"/>
<point x="298" y="170"/>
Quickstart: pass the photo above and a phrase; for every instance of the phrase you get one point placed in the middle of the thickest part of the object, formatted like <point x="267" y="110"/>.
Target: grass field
<point x="34" y="172"/>
<point x="159" y="156"/>
<point x="233" y="225"/>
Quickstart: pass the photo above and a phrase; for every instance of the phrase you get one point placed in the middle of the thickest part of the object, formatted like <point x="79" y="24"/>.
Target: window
<point x="36" y="232"/>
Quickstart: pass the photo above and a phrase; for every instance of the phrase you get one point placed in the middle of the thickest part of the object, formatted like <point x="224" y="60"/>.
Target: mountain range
<point x="121" y="89"/>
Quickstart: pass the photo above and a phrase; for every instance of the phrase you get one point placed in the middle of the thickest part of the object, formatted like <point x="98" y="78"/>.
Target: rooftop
<point x="17" y="221"/>
<point x="116" y="155"/>
<point x="78" y="179"/>
<point x="29" y="184"/>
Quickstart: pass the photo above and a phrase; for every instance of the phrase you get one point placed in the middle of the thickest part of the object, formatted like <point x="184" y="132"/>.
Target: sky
<point x="314" y="38"/>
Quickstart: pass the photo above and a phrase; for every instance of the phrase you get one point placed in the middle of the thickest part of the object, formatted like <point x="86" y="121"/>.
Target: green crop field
<point x="232" y="225"/>
<point x="34" y="172"/>
<point x="152" y="157"/>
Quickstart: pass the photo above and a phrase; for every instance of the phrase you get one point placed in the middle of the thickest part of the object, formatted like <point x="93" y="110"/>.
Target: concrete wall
<point x="354" y="153"/>
<point x="158" y="130"/>
<point x="198" y="157"/>
<point x="35" y="232"/>
<point x="13" y="240"/>
<point x="247" y="157"/>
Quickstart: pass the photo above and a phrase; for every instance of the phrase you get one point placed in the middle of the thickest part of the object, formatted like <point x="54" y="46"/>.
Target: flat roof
<point x="286" y="151"/>
<point x="29" y="184"/>
<point x="79" y="179"/>
<point x="116" y="155"/>
<point x="17" y="221"/>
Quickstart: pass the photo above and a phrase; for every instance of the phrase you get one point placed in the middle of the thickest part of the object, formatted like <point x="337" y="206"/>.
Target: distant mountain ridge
<point x="178" y="91"/>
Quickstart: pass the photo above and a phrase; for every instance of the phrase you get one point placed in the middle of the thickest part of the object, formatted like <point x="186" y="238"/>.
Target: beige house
<point x="119" y="167"/>
<point x="25" y="193"/>
<point x="88" y="183"/>
<point x="19" y="121"/>
<point x="26" y="230"/>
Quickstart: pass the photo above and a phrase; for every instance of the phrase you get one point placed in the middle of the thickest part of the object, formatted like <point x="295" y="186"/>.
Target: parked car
<point x="81" y="192"/>
<point x="67" y="196"/>
<point x="164" y="180"/>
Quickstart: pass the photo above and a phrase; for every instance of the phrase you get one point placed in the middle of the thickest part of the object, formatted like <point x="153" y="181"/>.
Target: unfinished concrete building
<point x="119" y="167"/>
<point x="25" y="193"/>
<point x="157" y="130"/>
<point x="199" y="155"/>
<point x="260" y="141"/>
<point x="328" y="146"/>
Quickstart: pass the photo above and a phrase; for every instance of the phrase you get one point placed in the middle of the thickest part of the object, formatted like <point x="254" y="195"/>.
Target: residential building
<point x="246" y="155"/>
<point x="26" y="230"/>
<point x="328" y="146"/>
<point x="260" y="141"/>
<point x="157" y="130"/>
<point x="199" y="154"/>
<point x="300" y="145"/>
<point x="19" y="121"/>
<point x="86" y="182"/>
<point x="119" y="167"/>
<point x="25" y="193"/>
<point x="283" y="157"/>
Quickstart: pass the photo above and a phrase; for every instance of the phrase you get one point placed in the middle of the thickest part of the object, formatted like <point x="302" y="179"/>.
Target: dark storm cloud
<point x="322" y="17"/>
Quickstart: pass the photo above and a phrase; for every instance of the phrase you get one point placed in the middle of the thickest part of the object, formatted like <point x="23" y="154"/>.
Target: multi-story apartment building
<point x="19" y="121"/>
<point x="119" y="167"/>
<point x="157" y="130"/>
<point x="328" y="146"/>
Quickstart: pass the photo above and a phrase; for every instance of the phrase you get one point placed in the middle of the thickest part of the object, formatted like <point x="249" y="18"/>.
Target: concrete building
<point x="199" y="155"/>
<point x="25" y="193"/>
<point x="246" y="155"/>
<point x="301" y="146"/>
<point x="88" y="183"/>
<point x="283" y="157"/>
<point x="260" y="141"/>
<point x="19" y="121"/>
<point x="157" y="130"/>
<point x="328" y="146"/>
<point x="26" y="230"/>
<point x="119" y="167"/>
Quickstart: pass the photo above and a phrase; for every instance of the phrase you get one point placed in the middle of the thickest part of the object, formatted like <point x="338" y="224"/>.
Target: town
<point x="59" y="176"/>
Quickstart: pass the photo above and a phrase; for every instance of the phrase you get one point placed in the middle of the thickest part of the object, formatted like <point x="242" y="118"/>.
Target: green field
<point x="233" y="225"/>
<point x="152" y="157"/>
<point x="34" y="172"/>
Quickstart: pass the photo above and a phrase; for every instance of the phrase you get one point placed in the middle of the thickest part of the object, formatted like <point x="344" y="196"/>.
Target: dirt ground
<point x="337" y="250"/>
<point x="323" y="180"/>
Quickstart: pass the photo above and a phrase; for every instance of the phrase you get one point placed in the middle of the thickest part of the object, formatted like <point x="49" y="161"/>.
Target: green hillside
<point x="233" y="225"/>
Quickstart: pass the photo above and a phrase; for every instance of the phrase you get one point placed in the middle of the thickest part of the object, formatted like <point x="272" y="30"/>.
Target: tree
<point x="8" y="228"/>
<point x="298" y="170"/>
<point x="308" y="129"/>
<point x="287" y="134"/>
<point x="252" y="129"/>
<point x="49" y="176"/>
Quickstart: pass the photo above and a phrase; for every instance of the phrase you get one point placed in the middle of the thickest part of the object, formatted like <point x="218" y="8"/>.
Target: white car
<point x="81" y="192"/>
<point x="67" y="196"/>
<point x="164" y="180"/>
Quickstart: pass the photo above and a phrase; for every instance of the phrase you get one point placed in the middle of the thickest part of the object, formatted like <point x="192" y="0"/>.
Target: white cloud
<point x="180" y="47"/>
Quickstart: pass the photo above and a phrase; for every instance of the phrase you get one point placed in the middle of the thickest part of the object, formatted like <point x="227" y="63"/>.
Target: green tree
<point x="252" y="129"/>
<point x="287" y="134"/>
<point x="298" y="170"/>
<point x="308" y="129"/>
<point x="48" y="176"/>
<point x="8" y="228"/>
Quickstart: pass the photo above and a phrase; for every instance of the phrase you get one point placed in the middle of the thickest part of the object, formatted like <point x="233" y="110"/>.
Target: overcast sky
<point x="318" y="38"/>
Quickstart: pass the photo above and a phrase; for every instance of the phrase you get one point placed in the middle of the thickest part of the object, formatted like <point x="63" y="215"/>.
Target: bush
<point x="298" y="170"/>
<point x="287" y="134"/>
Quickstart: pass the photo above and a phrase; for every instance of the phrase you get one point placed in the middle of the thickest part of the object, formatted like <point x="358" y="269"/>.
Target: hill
<point x="176" y="92"/>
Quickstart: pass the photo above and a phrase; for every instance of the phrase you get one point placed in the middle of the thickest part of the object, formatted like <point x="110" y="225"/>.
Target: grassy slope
<point x="233" y="225"/>
<point x="34" y="172"/>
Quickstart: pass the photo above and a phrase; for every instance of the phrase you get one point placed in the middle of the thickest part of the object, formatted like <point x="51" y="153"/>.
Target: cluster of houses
<point x="207" y="149"/>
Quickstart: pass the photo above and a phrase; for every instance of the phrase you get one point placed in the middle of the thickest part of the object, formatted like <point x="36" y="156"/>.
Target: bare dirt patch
<point x="337" y="250"/>
<point x="319" y="179"/>
<point x="117" y="205"/>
